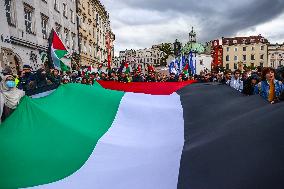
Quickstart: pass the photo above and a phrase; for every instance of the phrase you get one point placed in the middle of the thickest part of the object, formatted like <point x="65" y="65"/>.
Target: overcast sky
<point x="142" y="23"/>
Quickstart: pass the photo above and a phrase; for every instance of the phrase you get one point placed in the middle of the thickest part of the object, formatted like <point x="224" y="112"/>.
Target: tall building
<point x="217" y="54"/>
<point x="95" y="35"/>
<point x="276" y="55"/>
<point x="25" y="28"/>
<point x="240" y="52"/>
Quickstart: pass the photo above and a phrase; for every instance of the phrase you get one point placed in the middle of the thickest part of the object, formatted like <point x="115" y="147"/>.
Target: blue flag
<point x="191" y="65"/>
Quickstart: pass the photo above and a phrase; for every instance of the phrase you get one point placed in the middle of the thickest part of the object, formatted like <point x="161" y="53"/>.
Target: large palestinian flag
<point x="58" y="53"/>
<point x="199" y="137"/>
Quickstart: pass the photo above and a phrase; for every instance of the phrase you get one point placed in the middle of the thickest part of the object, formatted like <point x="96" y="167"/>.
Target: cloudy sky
<point x="142" y="23"/>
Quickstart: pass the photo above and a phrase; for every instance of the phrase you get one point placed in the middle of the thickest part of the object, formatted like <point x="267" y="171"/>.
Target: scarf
<point x="9" y="97"/>
<point x="271" y="96"/>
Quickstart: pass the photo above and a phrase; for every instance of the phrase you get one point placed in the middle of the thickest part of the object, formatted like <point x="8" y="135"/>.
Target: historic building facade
<point x="276" y="55"/>
<point x="240" y="52"/>
<point x="95" y="35"/>
<point x="201" y="55"/>
<point x="152" y="56"/>
<point x="216" y="54"/>
<point x="26" y="25"/>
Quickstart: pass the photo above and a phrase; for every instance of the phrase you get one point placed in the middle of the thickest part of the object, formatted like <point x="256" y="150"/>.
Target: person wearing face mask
<point x="10" y="96"/>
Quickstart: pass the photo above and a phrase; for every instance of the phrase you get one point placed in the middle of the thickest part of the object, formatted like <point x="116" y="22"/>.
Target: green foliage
<point x="167" y="49"/>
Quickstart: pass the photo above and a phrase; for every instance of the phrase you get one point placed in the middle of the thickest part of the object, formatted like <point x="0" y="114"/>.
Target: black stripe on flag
<point x="231" y="141"/>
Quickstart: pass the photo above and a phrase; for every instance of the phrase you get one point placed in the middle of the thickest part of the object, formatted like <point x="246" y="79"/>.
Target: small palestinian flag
<point x="185" y="69"/>
<point x="58" y="53"/>
<point x="127" y="68"/>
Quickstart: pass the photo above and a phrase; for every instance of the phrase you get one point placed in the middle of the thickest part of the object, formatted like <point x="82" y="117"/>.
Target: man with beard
<point x="227" y="77"/>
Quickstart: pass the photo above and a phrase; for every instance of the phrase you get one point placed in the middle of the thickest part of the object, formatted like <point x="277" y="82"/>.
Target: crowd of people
<point x="263" y="81"/>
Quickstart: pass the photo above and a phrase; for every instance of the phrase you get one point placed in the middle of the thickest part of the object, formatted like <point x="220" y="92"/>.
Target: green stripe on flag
<point x="60" y="53"/>
<point x="48" y="139"/>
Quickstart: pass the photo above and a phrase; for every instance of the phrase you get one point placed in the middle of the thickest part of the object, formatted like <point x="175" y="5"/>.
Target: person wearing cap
<point x="10" y="96"/>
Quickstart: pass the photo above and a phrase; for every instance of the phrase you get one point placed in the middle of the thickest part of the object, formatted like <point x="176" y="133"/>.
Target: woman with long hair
<point x="270" y="88"/>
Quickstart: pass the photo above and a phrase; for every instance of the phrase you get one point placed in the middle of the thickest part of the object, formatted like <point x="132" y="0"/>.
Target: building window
<point x="227" y="58"/>
<point x="262" y="48"/>
<point x="262" y="56"/>
<point x="29" y="18"/>
<point x="64" y="10"/>
<point x="89" y="8"/>
<point x="72" y="16"/>
<point x="44" y="22"/>
<point x="235" y="58"/>
<point x="10" y="12"/>
<point x="261" y="65"/>
<point x="244" y="48"/>
<point x="73" y="35"/>
<point x="56" y="5"/>
<point x="236" y="49"/>
<point x="85" y="47"/>
<point x="244" y="57"/>
<point x="235" y="66"/>
<point x="58" y="29"/>
<point x="252" y="57"/>
<point x="66" y="37"/>
<point x="252" y="48"/>
<point x="228" y="49"/>
<point x="227" y="66"/>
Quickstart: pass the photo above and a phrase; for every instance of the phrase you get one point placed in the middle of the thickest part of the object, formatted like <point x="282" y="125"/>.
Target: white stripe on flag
<point x="142" y="149"/>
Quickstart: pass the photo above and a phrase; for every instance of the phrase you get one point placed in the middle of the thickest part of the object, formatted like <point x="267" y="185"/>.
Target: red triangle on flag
<point x="57" y="43"/>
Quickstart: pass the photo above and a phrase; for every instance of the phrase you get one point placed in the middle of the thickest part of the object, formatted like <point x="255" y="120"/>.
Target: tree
<point x="166" y="48"/>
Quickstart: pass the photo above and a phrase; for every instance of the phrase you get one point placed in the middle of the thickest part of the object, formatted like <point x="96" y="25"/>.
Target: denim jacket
<point x="264" y="89"/>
